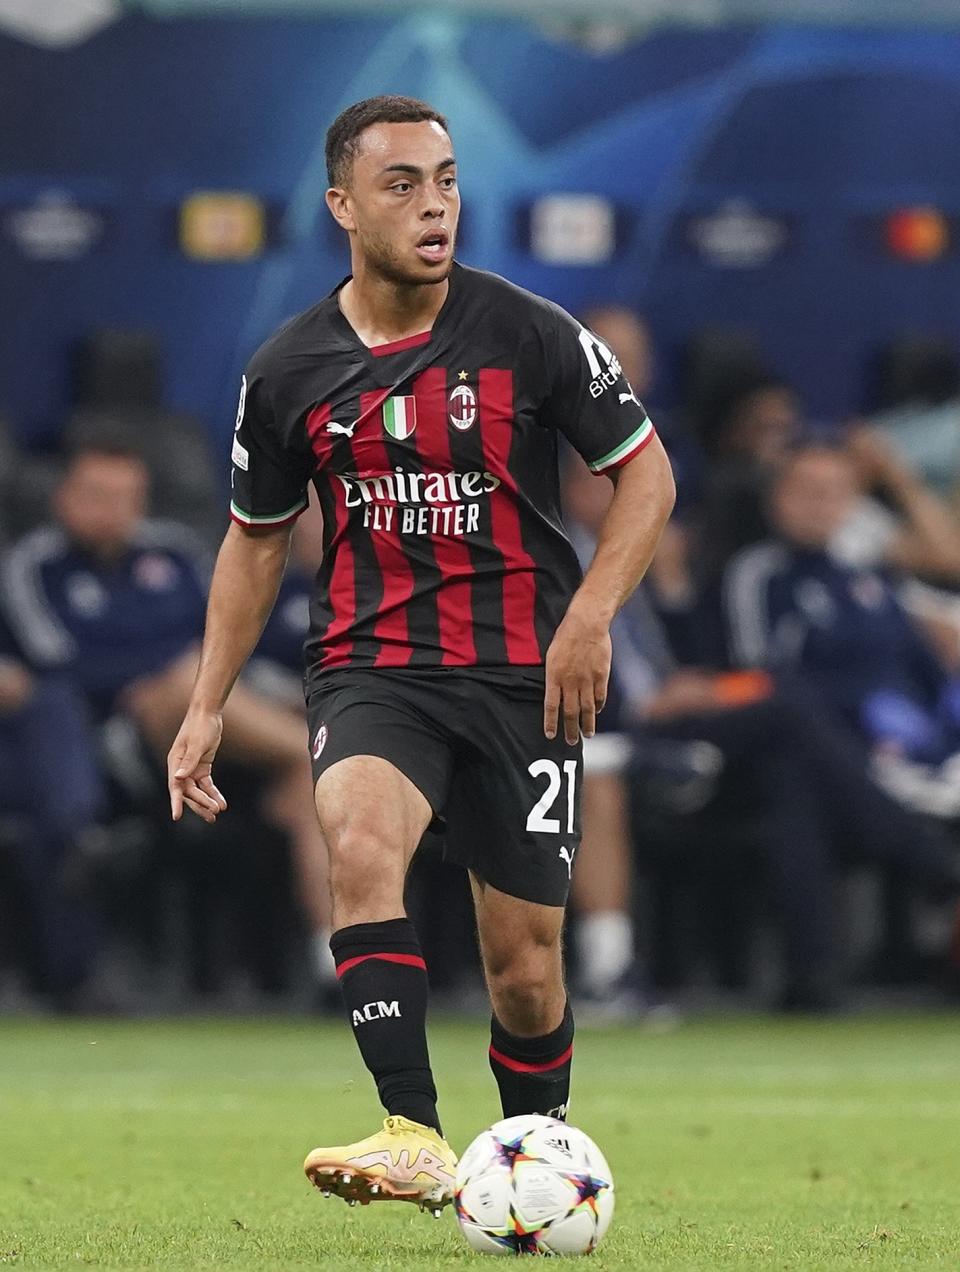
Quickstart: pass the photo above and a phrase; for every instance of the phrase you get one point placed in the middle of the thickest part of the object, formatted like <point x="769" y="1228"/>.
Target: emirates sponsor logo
<point x="402" y="487"/>
<point x="428" y="503"/>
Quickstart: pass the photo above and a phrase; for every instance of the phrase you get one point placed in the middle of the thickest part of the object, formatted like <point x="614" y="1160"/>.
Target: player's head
<point x="393" y="188"/>
<point x="102" y="497"/>
<point x="813" y="495"/>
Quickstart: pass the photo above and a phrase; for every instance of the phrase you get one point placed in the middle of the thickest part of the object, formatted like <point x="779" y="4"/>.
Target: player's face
<point x="102" y="500"/>
<point x="402" y="204"/>
<point x="813" y="498"/>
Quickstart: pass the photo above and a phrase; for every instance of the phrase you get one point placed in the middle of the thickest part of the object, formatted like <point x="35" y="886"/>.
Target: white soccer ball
<point x="533" y="1185"/>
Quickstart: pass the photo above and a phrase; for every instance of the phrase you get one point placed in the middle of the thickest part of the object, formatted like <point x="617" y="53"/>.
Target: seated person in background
<point x="791" y="606"/>
<point x="104" y="595"/>
<point x="115" y="603"/>
<point x="789" y="762"/>
<point x="898" y="521"/>
<point x="901" y="522"/>
<point x="50" y="788"/>
<point x="754" y="433"/>
<point x="920" y="419"/>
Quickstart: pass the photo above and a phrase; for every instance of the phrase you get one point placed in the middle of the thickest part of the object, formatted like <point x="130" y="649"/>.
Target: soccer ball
<point x="533" y="1185"/>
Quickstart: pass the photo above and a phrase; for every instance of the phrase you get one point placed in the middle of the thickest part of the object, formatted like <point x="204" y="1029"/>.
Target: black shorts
<point x="506" y="798"/>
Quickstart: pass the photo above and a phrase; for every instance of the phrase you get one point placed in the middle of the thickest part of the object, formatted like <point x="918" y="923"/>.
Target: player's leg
<point x="381" y="773"/>
<point x="372" y="818"/>
<point x="514" y="820"/>
<point x="531" y="1032"/>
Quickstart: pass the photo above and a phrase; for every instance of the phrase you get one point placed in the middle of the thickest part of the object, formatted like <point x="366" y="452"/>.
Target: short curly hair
<point x="344" y="132"/>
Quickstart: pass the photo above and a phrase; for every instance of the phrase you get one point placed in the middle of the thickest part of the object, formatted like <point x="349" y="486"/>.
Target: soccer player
<point x="456" y="653"/>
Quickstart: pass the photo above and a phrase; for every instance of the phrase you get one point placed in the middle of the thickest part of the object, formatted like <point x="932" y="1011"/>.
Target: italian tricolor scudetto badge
<point x="400" y="416"/>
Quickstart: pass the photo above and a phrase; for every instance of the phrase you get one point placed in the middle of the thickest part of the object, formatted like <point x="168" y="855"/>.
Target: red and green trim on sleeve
<point x="244" y="518"/>
<point x="624" y="450"/>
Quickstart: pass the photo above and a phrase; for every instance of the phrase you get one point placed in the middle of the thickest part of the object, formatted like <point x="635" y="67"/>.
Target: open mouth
<point x="433" y="245"/>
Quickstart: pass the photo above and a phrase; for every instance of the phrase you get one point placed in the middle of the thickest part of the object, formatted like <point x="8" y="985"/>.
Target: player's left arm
<point x="591" y="402"/>
<point x="578" y="660"/>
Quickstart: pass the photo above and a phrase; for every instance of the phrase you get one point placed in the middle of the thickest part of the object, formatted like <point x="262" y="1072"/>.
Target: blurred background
<point x="762" y="219"/>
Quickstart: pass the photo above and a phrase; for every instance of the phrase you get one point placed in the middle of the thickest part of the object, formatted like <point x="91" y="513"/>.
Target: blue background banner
<point x="812" y="135"/>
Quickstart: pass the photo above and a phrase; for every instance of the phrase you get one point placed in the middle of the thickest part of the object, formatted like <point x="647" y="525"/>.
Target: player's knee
<point x="524" y="1006"/>
<point x="365" y="876"/>
<point x="523" y="987"/>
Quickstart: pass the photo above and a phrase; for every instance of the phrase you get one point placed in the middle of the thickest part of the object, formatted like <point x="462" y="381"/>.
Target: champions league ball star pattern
<point x="533" y="1185"/>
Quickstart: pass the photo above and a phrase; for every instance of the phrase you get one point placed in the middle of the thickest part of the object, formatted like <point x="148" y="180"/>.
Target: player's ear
<point x="338" y="201"/>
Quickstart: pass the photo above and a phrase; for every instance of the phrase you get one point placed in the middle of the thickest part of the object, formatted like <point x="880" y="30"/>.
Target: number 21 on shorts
<point x="537" y="820"/>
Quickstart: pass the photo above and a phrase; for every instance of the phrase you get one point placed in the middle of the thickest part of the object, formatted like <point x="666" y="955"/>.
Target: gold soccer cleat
<point x="403" y="1162"/>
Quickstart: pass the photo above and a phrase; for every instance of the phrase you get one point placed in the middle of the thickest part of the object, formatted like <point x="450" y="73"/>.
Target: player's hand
<point x="577" y="672"/>
<point x="189" y="766"/>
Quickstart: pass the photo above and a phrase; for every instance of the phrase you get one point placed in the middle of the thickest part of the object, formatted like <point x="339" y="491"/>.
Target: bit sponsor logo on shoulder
<point x="239" y="454"/>
<point x="603" y="363"/>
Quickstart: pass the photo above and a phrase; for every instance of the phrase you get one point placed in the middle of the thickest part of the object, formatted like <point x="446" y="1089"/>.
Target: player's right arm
<point x="244" y="587"/>
<point x="270" y="477"/>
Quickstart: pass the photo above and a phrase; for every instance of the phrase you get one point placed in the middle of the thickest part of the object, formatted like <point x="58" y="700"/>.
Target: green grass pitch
<point x="734" y="1144"/>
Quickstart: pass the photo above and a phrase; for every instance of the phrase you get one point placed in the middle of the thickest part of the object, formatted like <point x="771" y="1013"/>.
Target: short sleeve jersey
<point x="435" y="460"/>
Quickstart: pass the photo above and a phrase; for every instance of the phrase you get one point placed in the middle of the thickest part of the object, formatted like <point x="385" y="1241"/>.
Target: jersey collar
<point x="375" y="356"/>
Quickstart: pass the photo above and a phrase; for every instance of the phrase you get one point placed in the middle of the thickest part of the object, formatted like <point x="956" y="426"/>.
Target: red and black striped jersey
<point x="435" y="460"/>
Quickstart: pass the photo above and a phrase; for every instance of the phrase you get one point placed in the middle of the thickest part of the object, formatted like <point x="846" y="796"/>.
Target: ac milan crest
<point x="462" y="407"/>
<point x="320" y="741"/>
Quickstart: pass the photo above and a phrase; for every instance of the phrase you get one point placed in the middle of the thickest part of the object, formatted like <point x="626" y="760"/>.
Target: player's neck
<point x="381" y="311"/>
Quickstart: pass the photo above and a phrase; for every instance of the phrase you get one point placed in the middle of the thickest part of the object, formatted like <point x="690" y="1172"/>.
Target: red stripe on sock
<point x="409" y="960"/>
<point x="521" y="1066"/>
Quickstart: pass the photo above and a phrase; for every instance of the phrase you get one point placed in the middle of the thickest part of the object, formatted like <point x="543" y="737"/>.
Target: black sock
<point x="384" y="982"/>
<point x="533" y="1074"/>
